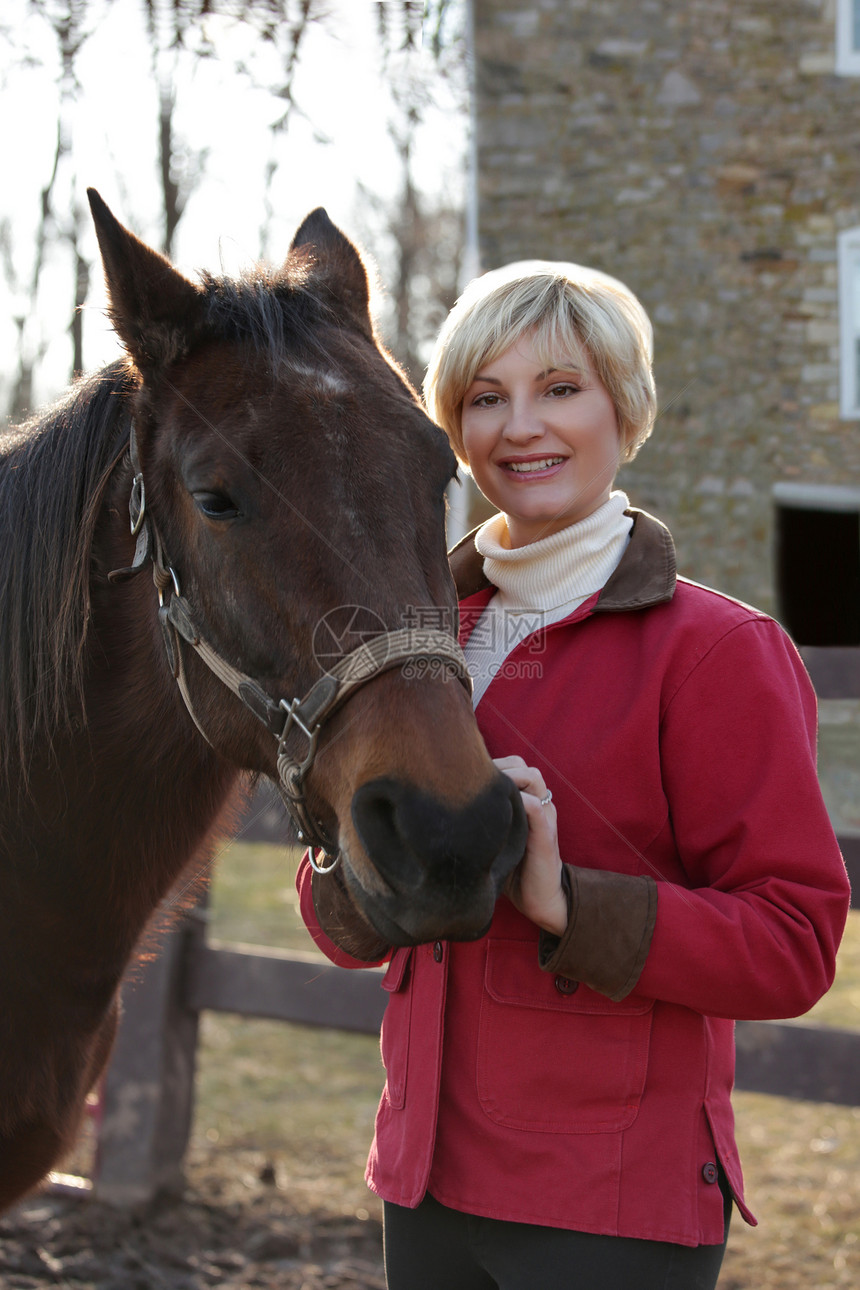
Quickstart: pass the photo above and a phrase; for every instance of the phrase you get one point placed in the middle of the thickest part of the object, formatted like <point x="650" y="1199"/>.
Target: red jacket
<point x="677" y="730"/>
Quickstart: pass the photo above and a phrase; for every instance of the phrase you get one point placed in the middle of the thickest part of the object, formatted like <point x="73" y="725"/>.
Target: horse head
<point x="291" y="492"/>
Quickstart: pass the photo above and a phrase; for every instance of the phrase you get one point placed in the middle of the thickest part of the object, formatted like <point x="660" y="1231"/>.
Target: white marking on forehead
<point x="325" y="381"/>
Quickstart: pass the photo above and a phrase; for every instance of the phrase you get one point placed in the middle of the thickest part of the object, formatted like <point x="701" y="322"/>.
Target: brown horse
<point x="287" y="496"/>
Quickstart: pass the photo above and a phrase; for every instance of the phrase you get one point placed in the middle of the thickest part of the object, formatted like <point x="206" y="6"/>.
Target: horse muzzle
<point x="437" y="871"/>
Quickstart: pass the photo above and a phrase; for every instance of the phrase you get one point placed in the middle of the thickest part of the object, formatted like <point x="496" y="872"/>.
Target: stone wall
<point x="706" y="153"/>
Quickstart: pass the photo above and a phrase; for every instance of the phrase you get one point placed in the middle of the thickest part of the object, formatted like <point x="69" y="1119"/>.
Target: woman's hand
<point x="535" y="886"/>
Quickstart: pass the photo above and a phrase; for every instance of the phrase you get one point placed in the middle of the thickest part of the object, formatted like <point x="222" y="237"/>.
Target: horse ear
<point x="334" y="268"/>
<point x="154" y="309"/>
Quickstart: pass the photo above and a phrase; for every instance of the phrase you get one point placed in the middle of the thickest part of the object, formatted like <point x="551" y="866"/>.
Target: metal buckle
<point x="293" y="718"/>
<point x="137" y="503"/>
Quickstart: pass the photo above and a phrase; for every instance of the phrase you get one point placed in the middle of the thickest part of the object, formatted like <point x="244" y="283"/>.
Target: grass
<point x="841" y="1005"/>
<point x="291" y="1101"/>
<point x="298" y="1104"/>
<point x="253" y="897"/>
<point x="802" y="1167"/>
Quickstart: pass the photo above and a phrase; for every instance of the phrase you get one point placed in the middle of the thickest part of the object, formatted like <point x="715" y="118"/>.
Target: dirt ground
<point x="220" y="1232"/>
<point x="243" y="1221"/>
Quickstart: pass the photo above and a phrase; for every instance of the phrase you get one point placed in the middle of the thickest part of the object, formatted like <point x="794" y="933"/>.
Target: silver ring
<point x="546" y="799"/>
<point x="314" y="862"/>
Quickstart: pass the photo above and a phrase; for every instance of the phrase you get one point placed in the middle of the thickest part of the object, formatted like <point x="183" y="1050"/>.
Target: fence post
<point x="148" y="1092"/>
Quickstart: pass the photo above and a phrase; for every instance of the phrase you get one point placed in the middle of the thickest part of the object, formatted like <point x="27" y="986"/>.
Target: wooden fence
<point x="148" y="1096"/>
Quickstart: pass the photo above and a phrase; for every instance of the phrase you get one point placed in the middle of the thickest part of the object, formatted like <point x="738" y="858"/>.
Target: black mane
<point x="53" y="472"/>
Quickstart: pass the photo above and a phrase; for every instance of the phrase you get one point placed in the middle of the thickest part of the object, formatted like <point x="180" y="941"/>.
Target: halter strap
<point x="429" y="653"/>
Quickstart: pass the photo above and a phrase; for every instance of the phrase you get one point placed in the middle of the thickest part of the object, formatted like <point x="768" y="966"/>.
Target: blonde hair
<point x="569" y="309"/>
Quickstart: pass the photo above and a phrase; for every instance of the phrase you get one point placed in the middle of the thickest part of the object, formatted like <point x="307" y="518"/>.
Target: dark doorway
<point x="818" y="563"/>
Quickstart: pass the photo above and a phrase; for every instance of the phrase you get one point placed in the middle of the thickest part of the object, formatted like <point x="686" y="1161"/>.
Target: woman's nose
<point x="523" y="422"/>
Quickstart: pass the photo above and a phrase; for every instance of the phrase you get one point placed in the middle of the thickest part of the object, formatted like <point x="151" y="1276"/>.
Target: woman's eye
<point x="216" y="506"/>
<point x="559" y="391"/>
<point x="488" y="400"/>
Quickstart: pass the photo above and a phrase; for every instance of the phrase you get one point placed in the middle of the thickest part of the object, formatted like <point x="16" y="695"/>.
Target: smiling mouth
<point x="530" y="467"/>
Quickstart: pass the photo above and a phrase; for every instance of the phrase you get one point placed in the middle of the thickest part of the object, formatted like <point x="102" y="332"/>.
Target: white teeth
<point x="523" y="467"/>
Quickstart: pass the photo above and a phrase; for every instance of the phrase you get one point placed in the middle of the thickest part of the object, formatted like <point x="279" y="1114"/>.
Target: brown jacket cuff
<point x="606" y="942"/>
<point x="339" y="918"/>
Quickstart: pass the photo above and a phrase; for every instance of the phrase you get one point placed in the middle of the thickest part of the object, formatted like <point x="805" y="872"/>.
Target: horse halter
<point x="380" y="654"/>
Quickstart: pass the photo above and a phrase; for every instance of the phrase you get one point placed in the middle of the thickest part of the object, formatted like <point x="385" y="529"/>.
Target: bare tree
<point x="179" y="32"/>
<point x="68" y="21"/>
<point x="424" y="234"/>
<point x="82" y="285"/>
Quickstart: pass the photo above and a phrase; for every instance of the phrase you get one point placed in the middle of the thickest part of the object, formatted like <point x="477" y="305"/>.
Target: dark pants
<point x="435" y="1248"/>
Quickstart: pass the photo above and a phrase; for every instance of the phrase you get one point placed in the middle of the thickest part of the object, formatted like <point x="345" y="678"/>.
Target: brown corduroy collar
<point x="645" y="575"/>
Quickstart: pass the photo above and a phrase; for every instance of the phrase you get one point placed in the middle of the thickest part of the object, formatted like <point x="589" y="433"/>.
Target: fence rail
<point x="283" y="986"/>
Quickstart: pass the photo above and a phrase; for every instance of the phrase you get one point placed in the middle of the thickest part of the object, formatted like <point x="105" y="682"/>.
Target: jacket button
<point x="709" y="1172"/>
<point x="564" y="985"/>
<point x="438" y="951"/>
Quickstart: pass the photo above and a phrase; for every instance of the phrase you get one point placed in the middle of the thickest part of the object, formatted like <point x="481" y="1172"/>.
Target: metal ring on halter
<point x="316" y="866"/>
<point x="175" y="579"/>
<point x="546" y="799"/>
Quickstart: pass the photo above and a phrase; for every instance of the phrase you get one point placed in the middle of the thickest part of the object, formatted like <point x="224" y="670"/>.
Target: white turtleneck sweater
<point x="541" y="583"/>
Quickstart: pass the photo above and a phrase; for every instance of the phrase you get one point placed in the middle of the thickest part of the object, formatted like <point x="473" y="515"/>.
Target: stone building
<point x="706" y="152"/>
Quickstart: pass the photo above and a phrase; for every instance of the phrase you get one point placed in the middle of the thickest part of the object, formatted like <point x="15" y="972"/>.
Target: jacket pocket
<point x="557" y="1061"/>
<point x="396" y="1025"/>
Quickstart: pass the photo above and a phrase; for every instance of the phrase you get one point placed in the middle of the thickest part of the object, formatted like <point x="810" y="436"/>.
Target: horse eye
<point x="216" y="506"/>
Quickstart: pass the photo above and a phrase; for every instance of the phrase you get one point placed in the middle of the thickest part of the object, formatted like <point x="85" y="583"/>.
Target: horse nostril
<point x="416" y="842"/>
<point x="374" y="813"/>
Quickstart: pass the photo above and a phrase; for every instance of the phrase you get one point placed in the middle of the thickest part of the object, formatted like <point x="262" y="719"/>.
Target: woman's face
<point x="543" y="445"/>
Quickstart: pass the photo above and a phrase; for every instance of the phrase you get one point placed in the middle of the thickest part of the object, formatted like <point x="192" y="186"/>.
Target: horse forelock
<point x="272" y="311"/>
<point x="283" y="316"/>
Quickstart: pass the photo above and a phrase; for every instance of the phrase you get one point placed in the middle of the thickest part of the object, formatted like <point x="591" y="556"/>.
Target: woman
<point x="557" y="1106"/>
